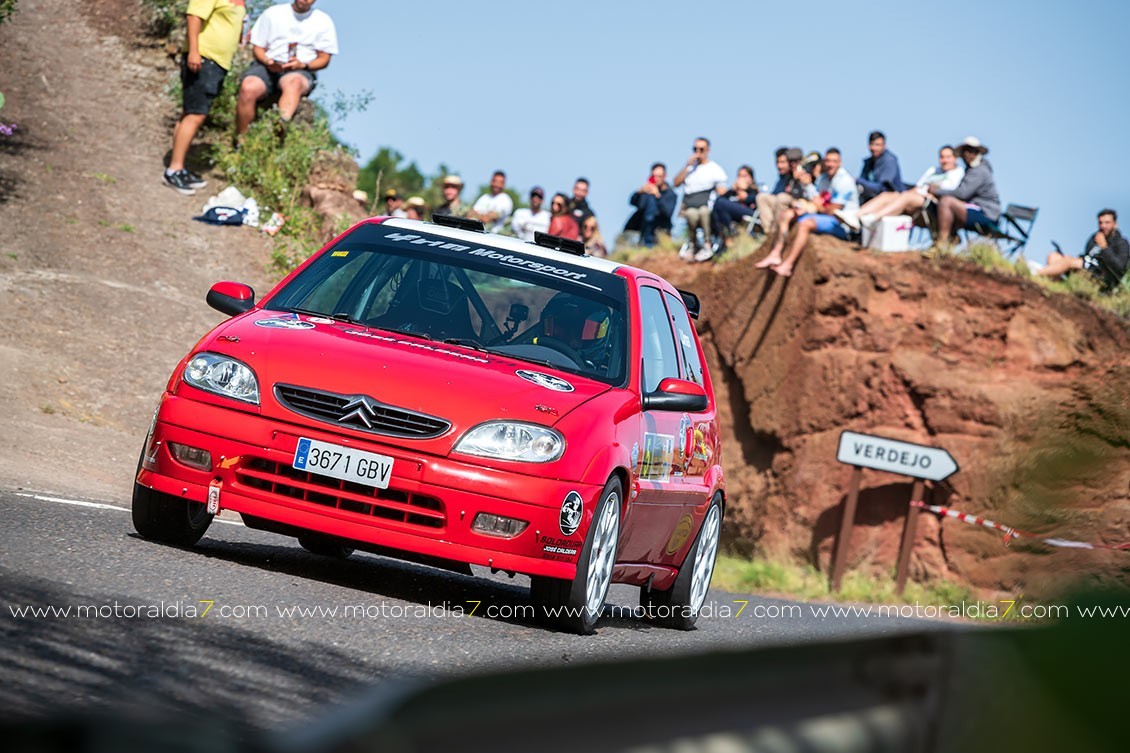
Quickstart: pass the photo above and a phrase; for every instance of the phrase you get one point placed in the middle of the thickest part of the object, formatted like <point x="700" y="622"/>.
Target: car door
<point x="661" y="497"/>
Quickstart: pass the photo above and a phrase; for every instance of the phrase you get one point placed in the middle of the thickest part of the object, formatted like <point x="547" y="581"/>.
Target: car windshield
<point x="519" y="304"/>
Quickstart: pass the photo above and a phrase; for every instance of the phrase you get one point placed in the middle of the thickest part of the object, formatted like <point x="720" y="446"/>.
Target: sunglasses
<point x="700" y="148"/>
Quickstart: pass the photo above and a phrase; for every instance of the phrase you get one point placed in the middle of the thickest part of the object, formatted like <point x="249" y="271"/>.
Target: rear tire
<point x="170" y="520"/>
<point x="576" y="605"/>
<point x="680" y="606"/>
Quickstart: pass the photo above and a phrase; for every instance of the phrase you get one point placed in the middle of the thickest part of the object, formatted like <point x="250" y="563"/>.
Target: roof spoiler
<point x="690" y="300"/>
<point x="462" y="223"/>
<point x="557" y="243"/>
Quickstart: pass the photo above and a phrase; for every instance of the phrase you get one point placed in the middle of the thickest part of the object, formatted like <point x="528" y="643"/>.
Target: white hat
<point x="973" y="143"/>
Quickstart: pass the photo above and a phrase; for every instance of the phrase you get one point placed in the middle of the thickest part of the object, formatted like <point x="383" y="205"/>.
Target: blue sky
<point x="550" y="92"/>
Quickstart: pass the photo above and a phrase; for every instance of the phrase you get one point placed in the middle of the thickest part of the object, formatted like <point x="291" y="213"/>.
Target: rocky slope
<point x="1029" y="391"/>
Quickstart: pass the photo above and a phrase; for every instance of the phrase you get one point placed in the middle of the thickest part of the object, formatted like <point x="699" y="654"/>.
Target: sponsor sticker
<point x="559" y="549"/>
<point x="680" y="535"/>
<point x="572" y="510"/>
<point x="548" y="381"/>
<point x="341" y="254"/>
<point x="658" y="457"/>
<point x="284" y="323"/>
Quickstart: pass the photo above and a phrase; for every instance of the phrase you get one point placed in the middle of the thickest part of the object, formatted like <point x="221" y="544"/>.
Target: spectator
<point x="415" y="208"/>
<point x="1106" y="255"/>
<point x="806" y="172"/>
<point x="495" y="206"/>
<point x="526" y="222"/>
<point x="394" y="204"/>
<point x="562" y="223"/>
<point x="594" y="241"/>
<point x="579" y="204"/>
<point x="975" y="204"/>
<point x="655" y="203"/>
<point x="787" y="190"/>
<point x="291" y="42"/>
<point x="947" y="175"/>
<point x="700" y="176"/>
<point x="834" y="191"/>
<point x="735" y="205"/>
<point x="880" y="171"/>
<point x="452" y="187"/>
<point x="213" y="36"/>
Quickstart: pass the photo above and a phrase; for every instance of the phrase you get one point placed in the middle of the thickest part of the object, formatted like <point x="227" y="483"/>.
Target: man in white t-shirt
<point x="495" y="206"/>
<point x="290" y="42"/>
<point x="536" y="219"/>
<point x="699" y="177"/>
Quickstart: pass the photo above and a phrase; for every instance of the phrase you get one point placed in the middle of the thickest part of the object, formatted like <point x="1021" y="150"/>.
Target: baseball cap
<point x="794" y="154"/>
<point x="537" y="191"/>
<point x="392" y="193"/>
<point x="416" y="201"/>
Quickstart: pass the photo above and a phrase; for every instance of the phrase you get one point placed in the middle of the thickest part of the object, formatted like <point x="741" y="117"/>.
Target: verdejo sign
<point x="918" y="461"/>
<point x="893" y="456"/>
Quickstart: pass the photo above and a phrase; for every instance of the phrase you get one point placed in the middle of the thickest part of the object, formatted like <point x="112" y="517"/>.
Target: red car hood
<point x="462" y="386"/>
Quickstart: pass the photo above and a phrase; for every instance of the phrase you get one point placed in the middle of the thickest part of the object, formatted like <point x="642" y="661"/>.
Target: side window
<point x="684" y="335"/>
<point x="659" y="359"/>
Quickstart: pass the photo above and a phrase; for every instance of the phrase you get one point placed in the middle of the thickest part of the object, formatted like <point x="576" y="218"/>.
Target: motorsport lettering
<point x="505" y="258"/>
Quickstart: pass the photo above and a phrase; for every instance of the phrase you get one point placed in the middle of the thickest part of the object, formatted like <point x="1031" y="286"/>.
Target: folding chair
<point x="1015" y="227"/>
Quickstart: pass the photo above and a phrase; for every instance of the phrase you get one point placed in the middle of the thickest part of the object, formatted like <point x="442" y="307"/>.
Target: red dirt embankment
<point x="1029" y="391"/>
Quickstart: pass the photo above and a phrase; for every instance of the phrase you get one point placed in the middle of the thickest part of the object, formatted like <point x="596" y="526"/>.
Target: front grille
<point x="387" y="504"/>
<point x="359" y="412"/>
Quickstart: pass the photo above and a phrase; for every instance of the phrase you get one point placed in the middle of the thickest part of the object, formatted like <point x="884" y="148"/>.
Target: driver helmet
<point x="582" y="324"/>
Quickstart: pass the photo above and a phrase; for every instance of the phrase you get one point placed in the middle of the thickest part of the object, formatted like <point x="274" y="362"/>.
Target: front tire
<point x="679" y="606"/>
<point x="576" y="605"/>
<point x="168" y="519"/>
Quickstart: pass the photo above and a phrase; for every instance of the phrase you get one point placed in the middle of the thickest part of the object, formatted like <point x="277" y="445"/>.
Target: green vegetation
<point x="104" y="178"/>
<point x="7" y="8"/>
<point x="770" y="577"/>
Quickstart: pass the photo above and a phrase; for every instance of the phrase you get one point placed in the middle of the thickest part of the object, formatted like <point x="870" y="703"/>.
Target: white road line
<point x="101" y="506"/>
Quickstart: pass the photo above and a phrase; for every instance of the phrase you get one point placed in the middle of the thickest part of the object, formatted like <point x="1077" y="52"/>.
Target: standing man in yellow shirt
<point x="214" y="28"/>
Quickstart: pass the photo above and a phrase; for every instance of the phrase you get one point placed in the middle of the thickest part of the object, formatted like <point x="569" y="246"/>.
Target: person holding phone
<point x="291" y="42"/>
<point x="699" y="178"/>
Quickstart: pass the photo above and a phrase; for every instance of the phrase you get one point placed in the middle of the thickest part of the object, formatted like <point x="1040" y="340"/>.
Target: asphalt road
<point x="254" y="658"/>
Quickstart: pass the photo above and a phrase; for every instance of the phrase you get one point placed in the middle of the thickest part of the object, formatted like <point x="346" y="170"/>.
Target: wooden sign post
<point x="920" y="462"/>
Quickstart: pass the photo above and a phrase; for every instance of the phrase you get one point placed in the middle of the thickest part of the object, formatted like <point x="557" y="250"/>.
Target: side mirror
<point x="231" y="298"/>
<point x="677" y="395"/>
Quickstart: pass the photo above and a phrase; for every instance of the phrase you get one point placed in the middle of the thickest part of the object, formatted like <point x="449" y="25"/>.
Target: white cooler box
<point x="889" y="234"/>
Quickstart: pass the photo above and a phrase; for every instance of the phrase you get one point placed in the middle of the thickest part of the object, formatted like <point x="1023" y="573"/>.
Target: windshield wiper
<point x="408" y="332"/>
<point x="341" y="316"/>
<point x="466" y="343"/>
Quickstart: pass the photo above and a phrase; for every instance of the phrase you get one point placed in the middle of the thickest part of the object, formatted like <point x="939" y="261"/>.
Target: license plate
<point x="345" y="463"/>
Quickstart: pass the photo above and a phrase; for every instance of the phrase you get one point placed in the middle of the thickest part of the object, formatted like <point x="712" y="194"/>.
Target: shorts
<point x="826" y="224"/>
<point x="259" y="71"/>
<point x="978" y="221"/>
<point x="200" y="88"/>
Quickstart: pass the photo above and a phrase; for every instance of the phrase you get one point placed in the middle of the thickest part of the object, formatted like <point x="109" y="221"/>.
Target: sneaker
<point x="178" y="181"/>
<point x="686" y="253"/>
<point x="705" y="254"/>
<point x="851" y="219"/>
<point x="194" y="180"/>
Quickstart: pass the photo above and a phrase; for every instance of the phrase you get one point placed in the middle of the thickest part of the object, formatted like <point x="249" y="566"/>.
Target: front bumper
<point x="428" y="508"/>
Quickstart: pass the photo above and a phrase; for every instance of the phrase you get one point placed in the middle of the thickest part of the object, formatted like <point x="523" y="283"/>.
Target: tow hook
<point x="214" y="496"/>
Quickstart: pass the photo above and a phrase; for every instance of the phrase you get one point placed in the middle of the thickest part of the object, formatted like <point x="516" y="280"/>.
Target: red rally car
<point x="435" y="391"/>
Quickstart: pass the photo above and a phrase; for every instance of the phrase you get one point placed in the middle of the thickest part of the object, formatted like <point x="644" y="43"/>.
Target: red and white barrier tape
<point x="1011" y="533"/>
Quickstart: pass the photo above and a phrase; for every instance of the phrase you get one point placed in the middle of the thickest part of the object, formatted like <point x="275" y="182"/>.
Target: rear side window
<point x="659" y="359"/>
<point x="684" y="335"/>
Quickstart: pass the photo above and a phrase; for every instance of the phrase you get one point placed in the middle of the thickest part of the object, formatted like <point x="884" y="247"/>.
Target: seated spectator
<point x="579" y="204"/>
<point x="1106" y="255"/>
<point x="562" y="223"/>
<point x="594" y="241"/>
<point x="655" y="203"/>
<point x="834" y="191"/>
<point x="880" y="172"/>
<point x="452" y="187"/>
<point x="290" y="42"/>
<point x="495" y="206"/>
<point x="526" y="222"/>
<point x="787" y="189"/>
<point x="946" y="175"/>
<point x="806" y="173"/>
<point x="415" y="208"/>
<point x="394" y="204"/>
<point x="700" y="176"/>
<point x="736" y="204"/>
<point x="975" y="204"/>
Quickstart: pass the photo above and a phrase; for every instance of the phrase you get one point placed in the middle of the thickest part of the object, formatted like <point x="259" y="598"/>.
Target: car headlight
<point x="221" y="375"/>
<point x="507" y="440"/>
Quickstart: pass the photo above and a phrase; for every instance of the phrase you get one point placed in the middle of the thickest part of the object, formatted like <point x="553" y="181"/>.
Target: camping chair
<point x="1014" y="228"/>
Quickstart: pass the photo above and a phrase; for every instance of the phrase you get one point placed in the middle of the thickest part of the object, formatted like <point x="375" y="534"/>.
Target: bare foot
<point x="785" y="270"/>
<point x="771" y="260"/>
